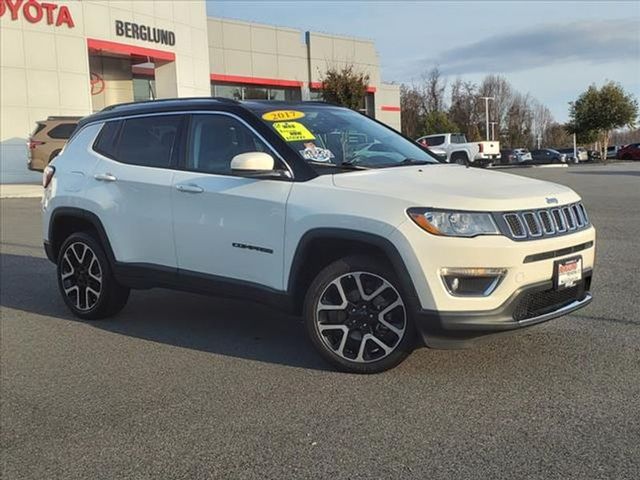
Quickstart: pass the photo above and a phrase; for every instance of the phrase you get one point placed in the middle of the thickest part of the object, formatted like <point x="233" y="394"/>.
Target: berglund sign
<point x="34" y="12"/>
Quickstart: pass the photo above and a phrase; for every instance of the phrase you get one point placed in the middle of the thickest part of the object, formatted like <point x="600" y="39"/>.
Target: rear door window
<point x="435" y="141"/>
<point x="62" y="131"/>
<point x="148" y="141"/>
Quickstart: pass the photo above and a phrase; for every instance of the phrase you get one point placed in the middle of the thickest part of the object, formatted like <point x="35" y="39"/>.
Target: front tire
<point x="357" y="316"/>
<point x="85" y="279"/>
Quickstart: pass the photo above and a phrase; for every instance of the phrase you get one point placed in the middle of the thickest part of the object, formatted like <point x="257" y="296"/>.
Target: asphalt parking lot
<point x="185" y="386"/>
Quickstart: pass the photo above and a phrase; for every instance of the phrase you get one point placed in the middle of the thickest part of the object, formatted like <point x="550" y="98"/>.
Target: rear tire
<point x="86" y="281"/>
<point x="357" y="316"/>
<point x="460" y="158"/>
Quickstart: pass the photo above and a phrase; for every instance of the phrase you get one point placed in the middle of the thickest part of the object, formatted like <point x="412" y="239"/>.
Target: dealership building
<point x="72" y="58"/>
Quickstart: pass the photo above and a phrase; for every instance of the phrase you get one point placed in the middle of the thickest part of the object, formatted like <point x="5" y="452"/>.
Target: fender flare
<point x="84" y="215"/>
<point x="384" y="244"/>
<point x="463" y="151"/>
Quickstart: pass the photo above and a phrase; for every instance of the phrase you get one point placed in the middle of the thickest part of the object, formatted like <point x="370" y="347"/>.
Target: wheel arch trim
<point x="81" y="214"/>
<point x="375" y="240"/>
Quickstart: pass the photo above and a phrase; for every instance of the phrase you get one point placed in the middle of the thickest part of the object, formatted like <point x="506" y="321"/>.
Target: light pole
<point x="486" y="111"/>
<point x="493" y="133"/>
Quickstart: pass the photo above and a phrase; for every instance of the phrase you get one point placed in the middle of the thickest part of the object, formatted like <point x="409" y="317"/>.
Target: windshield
<point x="340" y="138"/>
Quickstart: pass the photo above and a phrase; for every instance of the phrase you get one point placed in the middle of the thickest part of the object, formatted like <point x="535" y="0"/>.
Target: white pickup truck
<point x="458" y="150"/>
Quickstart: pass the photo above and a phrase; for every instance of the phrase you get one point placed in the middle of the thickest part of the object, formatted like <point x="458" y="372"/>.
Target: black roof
<point x="194" y="103"/>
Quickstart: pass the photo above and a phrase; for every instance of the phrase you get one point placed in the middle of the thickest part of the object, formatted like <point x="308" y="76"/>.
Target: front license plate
<point x="568" y="272"/>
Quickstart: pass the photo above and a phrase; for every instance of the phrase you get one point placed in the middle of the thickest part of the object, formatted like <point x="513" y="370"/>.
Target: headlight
<point x="454" y="224"/>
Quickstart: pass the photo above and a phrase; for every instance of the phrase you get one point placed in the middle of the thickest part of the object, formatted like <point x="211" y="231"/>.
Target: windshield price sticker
<point x="316" y="154"/>
<point x="282" y="115"/>
<point x="293" y="131"/>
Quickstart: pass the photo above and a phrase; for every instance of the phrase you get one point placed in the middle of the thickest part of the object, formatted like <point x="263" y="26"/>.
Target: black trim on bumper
<point x="557" y="253"/>
<point x="463" y="329"/>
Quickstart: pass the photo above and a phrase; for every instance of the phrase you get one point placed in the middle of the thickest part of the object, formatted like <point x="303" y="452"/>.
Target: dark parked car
<point x="629" y="152"/>
<point x="547" y="155"/>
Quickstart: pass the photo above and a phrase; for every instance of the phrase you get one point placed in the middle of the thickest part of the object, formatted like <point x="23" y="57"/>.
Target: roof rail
<point x="63" y="117"/>
<point x="166" y="100"/>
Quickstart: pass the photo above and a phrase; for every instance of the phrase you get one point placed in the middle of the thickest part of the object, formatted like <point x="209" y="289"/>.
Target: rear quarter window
<point x="106" y="142"/>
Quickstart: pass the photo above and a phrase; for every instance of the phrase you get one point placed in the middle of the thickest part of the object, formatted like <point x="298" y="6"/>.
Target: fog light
<point x="472" y="282"/>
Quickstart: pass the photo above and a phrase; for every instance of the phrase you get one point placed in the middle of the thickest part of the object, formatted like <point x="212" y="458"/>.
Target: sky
<point x="552" y="50"/>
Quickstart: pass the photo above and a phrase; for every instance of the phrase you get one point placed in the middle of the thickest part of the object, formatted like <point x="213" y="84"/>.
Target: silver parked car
<point x="515" y="156"/>
<point x="582" y="156"/>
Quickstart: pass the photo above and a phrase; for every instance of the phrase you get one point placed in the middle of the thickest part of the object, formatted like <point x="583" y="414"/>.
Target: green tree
<point x="345" y="86"/>
<point x="438" y="122"/>
<point x="602" y="110"/>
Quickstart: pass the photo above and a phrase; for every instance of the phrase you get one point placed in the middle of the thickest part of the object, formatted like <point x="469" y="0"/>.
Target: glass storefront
<point x="250" y="92"/>
<point x="368" y="106"/>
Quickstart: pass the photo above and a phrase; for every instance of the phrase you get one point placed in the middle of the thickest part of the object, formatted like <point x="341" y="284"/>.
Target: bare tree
<point x="519" y="132"/>
<point x="623" y="137"/>
<point x="500" y="89"/>
<point x="556" y="135"/>
<point x="434" y="86"/>
<point x="519" y="117"/>
<point x="541" y="120"/>
<point x="464" y="108"/>
<point x="412" y="107"/>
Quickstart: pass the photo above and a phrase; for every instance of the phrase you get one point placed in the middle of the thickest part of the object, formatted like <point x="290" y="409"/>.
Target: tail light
<point x="34" y="143"/>
<point x="481" y="146"/>
<point x="47" y="175"/>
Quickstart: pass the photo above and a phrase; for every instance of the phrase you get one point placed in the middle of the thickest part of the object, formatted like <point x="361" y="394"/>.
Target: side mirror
<point x="252" y="162"/>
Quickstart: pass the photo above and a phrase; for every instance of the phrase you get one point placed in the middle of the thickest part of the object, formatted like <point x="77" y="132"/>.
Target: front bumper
<point x="528" y="306"/>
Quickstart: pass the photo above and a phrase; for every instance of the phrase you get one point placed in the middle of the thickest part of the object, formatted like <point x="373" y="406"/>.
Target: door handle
<point x="189" y="188"/>
<point x="105" y="177"/>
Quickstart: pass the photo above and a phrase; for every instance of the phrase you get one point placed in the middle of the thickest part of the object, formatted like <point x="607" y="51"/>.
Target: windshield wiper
<point x="343" y="165"/>
<point x="405" y="162"/>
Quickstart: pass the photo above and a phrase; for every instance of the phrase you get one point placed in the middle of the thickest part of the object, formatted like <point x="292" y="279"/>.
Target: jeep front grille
<point x="545" y="222"/>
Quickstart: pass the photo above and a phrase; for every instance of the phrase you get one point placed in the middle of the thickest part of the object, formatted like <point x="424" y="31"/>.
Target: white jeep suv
<point x="269" y="201"/>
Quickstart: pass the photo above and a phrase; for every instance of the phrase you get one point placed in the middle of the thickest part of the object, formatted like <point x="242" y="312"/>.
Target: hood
<point x="457" y="187"/>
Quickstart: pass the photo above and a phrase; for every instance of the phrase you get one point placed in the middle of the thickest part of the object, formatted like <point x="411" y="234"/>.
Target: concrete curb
<point x="20" y="191"/>
<point x="508" y="167"/>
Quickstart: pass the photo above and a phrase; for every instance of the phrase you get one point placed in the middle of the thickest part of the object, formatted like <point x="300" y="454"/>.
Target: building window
<point x="368" y="105"/>
<point x="144" y="88"/>
<point x="251" y="92"/>
<point x="316" y="95"/>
